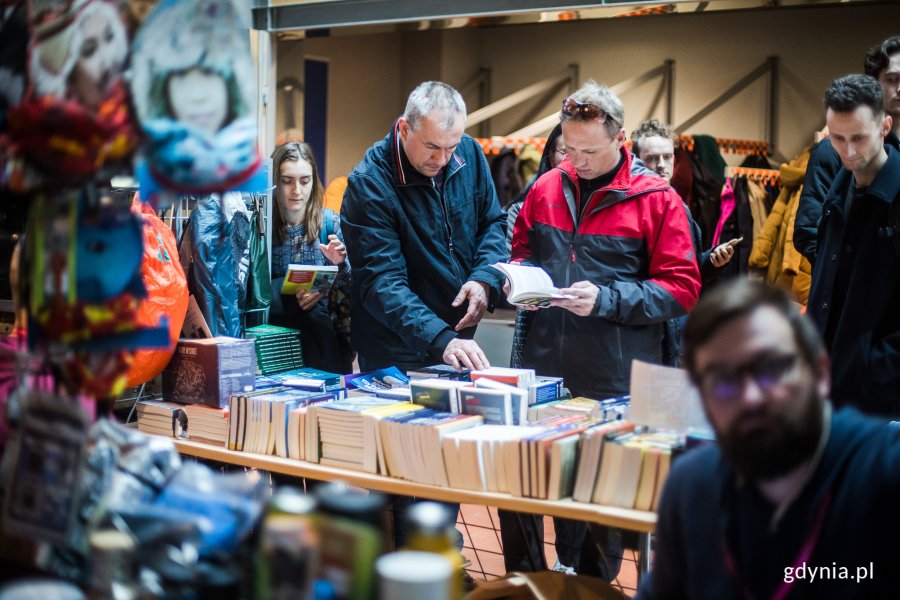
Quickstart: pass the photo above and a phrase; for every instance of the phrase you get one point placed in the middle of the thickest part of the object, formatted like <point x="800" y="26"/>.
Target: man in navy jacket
<point x="422" y="226"/>
<point x="793" y="500"/>
<point x="854" y="298"/>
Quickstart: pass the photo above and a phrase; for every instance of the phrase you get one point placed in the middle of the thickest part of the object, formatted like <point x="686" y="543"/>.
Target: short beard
<point x="779" y="448"/>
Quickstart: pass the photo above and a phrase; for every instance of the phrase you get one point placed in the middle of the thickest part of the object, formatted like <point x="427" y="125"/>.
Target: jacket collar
<point x="886" y="184"/>
<point x="403" y="169"/>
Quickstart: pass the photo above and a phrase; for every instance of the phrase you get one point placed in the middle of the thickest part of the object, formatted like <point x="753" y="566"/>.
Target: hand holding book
<point x="529" y="286"/>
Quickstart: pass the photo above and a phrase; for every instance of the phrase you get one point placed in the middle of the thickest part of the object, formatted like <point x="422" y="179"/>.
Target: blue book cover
<point x="494" y="405"/>
<point x="374" y="381"/>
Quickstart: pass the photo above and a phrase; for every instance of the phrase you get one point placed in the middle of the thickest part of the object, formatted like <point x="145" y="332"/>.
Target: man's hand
<point x="477" y="294"/>
<point x="722" y="254"/>
<point x="465" y="354"/>
<point x="306" y="300"/>
<point x="334" y="250"/>
<point x="582" y="303"/>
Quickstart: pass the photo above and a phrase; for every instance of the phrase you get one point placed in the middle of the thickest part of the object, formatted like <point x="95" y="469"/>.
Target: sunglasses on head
<point x="586" y="110"/>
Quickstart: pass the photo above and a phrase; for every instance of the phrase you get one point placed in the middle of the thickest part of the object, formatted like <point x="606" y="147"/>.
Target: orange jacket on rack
<point x="773" y="250"/>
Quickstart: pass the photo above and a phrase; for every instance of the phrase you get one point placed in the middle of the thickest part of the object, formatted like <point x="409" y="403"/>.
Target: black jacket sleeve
<point x="823" y="165"/>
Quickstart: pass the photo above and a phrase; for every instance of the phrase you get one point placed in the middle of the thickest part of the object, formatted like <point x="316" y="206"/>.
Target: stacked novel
<point x="207" y="424"/>
<point x="437" y="393"/>
<point x="277" y="348"/>
<point x="520" y="378"/>
<point x="500" y="405"/>
<point x="161" y="418"/>
<point x="485" y="458"/>
<point x="333" y="382"/>
<point x="633" y="470"/>
<point x="343" y="433"/>
<point x="545" y="389"/>
<point x="261" y="419"/>
<point x="592" y="442"/>
<point x="442" y="371"/>
<point x="412" y="443"/>
<point x="535" y="461"/>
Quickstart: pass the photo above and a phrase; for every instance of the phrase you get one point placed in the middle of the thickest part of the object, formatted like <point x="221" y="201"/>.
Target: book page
<point x="528" y="285"/>
<point x="664" y="397"/>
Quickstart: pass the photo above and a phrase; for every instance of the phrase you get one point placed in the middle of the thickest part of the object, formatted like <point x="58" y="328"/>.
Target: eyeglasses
<point x="588" y="111"/>
<point x="727" y="385"/>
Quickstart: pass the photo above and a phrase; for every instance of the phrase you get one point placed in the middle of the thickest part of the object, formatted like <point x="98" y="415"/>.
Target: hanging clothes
<point x="774" y="249"/>
<point x="726" y="207"/>
<point x="758" y="199"/>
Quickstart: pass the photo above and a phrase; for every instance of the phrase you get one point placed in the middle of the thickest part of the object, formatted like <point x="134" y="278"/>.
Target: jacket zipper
<point x="449" y="230"/>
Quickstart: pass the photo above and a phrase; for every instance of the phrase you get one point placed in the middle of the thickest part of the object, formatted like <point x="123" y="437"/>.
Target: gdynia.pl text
<point x="804" y="572"/>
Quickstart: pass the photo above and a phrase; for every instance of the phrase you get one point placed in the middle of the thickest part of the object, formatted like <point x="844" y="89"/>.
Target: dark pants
<point x="588" y="548"/>
<point x="324" y="347"/>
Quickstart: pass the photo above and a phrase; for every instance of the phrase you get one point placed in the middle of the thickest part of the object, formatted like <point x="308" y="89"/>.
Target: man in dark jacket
<point x="883" y="63"/>
<point x="422" y="225"/>
<point x="854" y="298"/>
<point x="616" y="239"/>
<point x="791" y="501"/>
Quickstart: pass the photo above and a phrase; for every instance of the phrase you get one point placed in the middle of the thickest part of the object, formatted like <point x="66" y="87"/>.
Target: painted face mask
<point x="74" y="119"/>
<point x="194" y="92"/>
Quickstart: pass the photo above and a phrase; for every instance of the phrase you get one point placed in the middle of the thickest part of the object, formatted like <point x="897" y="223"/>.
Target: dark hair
<point x="650" y="128"/>
<point x="848" y="93"/>
<point x="738" y="298"/>
<point x="295" y="151"/>
<point x="544" y="165"/>
<point x="879" y="55"/>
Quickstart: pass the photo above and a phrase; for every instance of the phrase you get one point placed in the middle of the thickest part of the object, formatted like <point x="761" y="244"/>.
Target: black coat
<point x="854" y="299"/>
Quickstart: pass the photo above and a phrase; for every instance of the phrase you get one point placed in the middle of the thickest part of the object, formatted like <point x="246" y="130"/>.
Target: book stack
<point x="333" y="382"/>
<point x="207" y="424"/>
<point x="520" y="378"/>
<point x="277" y="348"/>
<point x="437" y="393"/>
<point x="442" y="371"/>
<point x="263" y="418"/>
<point x="161" y="418"/>
<point x="545" y="389"/>
<point x="501" y="405"/>
<point x="481" y="458"/>
<point x="535" y="451"/>
<point x="633" y="469"/>
<point x="592" y="442"/>
<point x="412" y="443"/>
<point x="343" y="433"/>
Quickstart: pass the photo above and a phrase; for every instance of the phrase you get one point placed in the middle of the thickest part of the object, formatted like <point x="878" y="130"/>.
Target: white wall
<point x="372" y="74"/>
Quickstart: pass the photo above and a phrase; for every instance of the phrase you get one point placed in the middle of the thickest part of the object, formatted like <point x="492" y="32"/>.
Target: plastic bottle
<point x="431" y="530"/>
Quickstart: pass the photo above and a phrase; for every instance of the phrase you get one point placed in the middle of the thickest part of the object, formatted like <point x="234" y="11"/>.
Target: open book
<point x="311" y="278"/>
<point x="528" y="286"/>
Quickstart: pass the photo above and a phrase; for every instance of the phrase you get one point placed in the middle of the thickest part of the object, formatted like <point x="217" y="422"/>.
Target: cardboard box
<point x="208" y="371"/>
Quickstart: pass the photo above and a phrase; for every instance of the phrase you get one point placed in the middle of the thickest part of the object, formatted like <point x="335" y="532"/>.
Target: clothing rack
<point x="764" y="176"/>
<point x="729" y="145"/>
<point x="495" y="145"/>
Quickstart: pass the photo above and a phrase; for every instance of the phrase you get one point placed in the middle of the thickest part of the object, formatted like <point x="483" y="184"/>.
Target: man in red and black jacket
<point x="615" y="237"/>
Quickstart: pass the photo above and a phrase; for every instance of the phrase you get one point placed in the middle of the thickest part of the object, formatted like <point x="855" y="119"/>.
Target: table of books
<point x="641" y="522"/>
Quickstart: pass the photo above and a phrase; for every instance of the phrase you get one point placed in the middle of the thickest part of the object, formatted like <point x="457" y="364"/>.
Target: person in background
<point x="553" y="154"/>
<point x="298" y="224"/>
<point x="854" y="298"/>
<point x="883" y="63"/>
<point x="653" y="142"/>
<point x="423" y="225"/>
<point x="628" y="270"/>
<point x="794" y="500"/>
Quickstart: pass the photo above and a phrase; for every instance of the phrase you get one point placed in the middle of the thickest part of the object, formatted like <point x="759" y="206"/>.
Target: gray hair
<point x="430" y="96"/>
<point x="603" y="98"/>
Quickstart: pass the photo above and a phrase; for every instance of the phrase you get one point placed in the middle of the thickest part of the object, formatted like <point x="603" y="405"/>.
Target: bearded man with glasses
<point x="615" y="238"/>
<point x="793" y="500"/>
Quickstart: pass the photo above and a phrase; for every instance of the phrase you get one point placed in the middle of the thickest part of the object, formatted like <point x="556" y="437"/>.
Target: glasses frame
<point x="784" y="366"/>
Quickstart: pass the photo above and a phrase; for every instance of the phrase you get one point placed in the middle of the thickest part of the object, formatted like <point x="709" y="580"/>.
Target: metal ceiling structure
<point x="287" y="17"/>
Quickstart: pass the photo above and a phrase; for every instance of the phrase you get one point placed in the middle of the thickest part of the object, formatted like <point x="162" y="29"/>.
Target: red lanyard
<point x="803" y="556"/>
